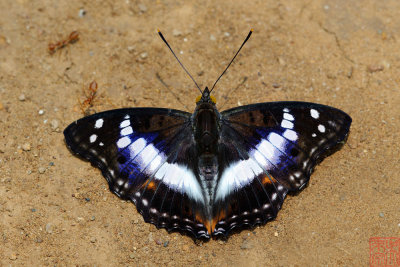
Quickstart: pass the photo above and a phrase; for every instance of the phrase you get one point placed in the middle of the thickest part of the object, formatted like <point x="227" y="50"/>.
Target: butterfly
<point x="209" y="172"/>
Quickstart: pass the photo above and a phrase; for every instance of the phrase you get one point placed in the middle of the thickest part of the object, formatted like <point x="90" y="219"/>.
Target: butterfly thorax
<point x="205" y="122"/>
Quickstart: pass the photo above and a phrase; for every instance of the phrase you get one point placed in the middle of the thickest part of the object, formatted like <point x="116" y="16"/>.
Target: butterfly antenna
<point x="245" y="40"/>
<point x="165" y="41"/>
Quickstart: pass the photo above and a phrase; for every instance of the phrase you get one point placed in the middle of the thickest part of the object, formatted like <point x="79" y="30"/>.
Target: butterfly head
<point x="206" y="97"/>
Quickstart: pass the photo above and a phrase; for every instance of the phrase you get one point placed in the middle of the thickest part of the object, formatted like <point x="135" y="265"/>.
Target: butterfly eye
<point x="213" y="99"/>
<point x="198" y="99"/>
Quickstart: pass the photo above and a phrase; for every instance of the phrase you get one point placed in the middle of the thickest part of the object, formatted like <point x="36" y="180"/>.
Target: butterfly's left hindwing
<point x="143" y="153"/>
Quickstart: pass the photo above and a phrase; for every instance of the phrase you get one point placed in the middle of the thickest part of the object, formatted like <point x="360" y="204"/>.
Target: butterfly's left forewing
<point x="143" y="154"/>
<point x="267" y="150"/>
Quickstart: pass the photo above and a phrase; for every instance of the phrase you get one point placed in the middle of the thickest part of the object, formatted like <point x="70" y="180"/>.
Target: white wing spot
<point x="290" y="134"/>
<point x="125" y="123"/>
<point x="127" y="131"/>
<point x="236" y="176"/>
<point x="321" y="128"/>
<point x="285" y="110"/>
<point x="101" y="144"/>
<point x="287" y="124"/>
<point x="314" y="113"/>
<point x="155" y="163"/>
<point x="126" y="117"/>
<point x="277" y="140"/>
<point x="312" y="150"/>
<point x="266" y="206"/>
<point x="123" y="142"/>
<point x="93" y="138"/>
<point x="137" y="146"/>
<point x="313" y="135"/>
<point x="99" y="124"/>
<point x="288" y="117"/>
<point x="180" y="178"/>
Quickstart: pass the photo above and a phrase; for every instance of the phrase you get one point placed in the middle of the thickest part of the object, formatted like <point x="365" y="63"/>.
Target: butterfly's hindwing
<point x="143" y="154"/>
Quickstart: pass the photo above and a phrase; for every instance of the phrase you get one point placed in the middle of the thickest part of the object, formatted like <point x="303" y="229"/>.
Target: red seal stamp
<point x="384" y="251"/>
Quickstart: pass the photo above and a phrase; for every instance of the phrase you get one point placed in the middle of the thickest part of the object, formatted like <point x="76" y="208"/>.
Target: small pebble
<point x="54" y="124"/>
<point x="158" y="242"/>
<point x="26" y="147"/>
<point x="38" y="240"/>
<point x="381" y="214"/>
<point x="276" y="234"/>
<point x="276" y="85"/>
<point x="41" y="112"/>
<point x="227" y="34"/>
<point x="93" y="240"/>
<point x="42" y="170"/>
<point x="142" y="8"/>
<point x="51" y="163"/>
<point x="13" y="257"/>
<point x="143" y="55"/>
<point x="212" y="38"/>
<point x="167" y="242"/>
<point x="21" y="97"/>
<point x="82" y="12"/>
<point x="92" y="218"/>
<point x="131" y="48"/>
<point x="48" y="228"/>
<point x="132" y="255"/>
<point x="87" y="199"/>
<point x="246" y="244"/>
<point x="151" y="239"/>
<point x="350" y="73"/>
<point x="33" y="210"/>
<point x="375" y="68"/>
<point x="176" y="32"/>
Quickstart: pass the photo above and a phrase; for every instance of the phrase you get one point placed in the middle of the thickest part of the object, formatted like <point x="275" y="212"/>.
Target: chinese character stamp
<point x="384" y="251"/>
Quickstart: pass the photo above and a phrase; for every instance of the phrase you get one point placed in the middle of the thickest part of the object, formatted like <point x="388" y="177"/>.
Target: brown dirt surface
<point x="56" y="209"/>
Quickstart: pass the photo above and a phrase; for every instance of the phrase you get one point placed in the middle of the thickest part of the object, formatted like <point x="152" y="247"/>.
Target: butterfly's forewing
<point x="145" y="155"/>
<point x="271" y="149"/>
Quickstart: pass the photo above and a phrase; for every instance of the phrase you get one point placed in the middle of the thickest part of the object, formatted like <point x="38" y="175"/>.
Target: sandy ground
<point x="57" y="210"/>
